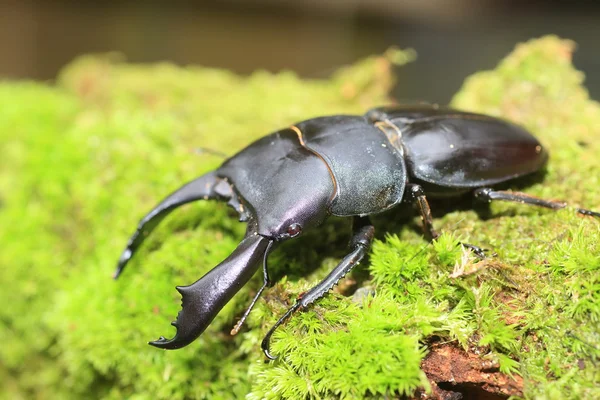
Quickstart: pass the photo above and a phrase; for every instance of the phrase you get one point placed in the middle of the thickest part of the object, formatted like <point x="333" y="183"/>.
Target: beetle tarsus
<point x="481" y="253"/>
<point x="361" y="241"/>
<point x="590" y="213"/>
<point x="266" y="342"/>
<point x="489" y="195"/>
<point x="417" y="195"/>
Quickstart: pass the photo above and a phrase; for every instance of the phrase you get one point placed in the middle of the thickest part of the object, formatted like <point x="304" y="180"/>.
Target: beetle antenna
<point x="212" y="152"/>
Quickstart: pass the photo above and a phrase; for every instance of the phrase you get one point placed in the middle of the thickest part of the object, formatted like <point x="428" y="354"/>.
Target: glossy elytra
<point x="349" y="166"/>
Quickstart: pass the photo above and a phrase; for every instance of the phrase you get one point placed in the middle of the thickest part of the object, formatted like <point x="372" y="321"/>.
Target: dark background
<point x="453" y="38"/>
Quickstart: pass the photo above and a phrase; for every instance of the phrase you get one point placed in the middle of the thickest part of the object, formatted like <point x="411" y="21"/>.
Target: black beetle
<point x="342" y="165"/>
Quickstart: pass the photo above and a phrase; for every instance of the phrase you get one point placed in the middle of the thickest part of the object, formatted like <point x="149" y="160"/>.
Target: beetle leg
<point x="489" y="194"/>
<point x="418" y="196"/>
<point x="360" y="243"/>
<point x="206" y="187"/>
<point x="266" y="282"/>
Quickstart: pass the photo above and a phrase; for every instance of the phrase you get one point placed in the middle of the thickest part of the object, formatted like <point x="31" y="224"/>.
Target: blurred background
<point x="453" y="38"/>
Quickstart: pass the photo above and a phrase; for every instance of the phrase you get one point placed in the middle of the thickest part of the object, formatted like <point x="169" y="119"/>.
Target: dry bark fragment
<point x="457" y="374"/>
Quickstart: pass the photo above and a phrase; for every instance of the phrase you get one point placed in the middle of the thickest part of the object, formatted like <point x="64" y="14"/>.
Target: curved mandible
<point x="202" y="300"/>
<point x="206" y="187"/>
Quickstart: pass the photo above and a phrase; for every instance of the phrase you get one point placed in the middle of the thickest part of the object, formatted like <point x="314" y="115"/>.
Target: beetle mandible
<point x="348" y="166"/>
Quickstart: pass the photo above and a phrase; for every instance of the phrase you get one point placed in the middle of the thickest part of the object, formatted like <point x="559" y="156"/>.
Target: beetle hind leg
<point x="206" y="187"/>
<point x="489" y="195"/>
<point x="360" y="243"/>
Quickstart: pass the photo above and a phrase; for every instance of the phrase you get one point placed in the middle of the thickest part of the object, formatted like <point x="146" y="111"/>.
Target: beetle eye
<point x="294" y="230"/>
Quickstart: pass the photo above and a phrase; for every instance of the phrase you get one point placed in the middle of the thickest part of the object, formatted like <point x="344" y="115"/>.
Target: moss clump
<point x="82" y="160"/>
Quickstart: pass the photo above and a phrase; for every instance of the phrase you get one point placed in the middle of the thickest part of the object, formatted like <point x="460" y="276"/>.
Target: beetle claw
<point x="268" y="354"/>
<point x="266" y="344"/>
<point x="480" y="252"/>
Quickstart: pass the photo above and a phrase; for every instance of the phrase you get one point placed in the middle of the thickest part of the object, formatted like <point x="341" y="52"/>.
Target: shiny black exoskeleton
<point x="343" y="165"/>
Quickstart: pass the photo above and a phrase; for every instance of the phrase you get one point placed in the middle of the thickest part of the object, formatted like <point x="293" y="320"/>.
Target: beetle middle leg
<point x="418" y="197"/>
<point x="363" y="233"/>
<point x="489" y="195"/>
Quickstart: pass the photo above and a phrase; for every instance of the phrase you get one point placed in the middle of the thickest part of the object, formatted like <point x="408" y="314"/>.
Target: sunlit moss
<point x="84" y="159"/>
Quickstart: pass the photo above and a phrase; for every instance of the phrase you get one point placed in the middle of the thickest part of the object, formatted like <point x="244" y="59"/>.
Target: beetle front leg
<point x="360" y="243"/>
<point x="266" y="282"/>
<point x="489" y="195"/>
<point x="418" y="197"/>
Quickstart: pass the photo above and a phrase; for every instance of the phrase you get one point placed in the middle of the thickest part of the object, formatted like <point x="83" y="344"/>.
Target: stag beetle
<point x="348" y="166"/>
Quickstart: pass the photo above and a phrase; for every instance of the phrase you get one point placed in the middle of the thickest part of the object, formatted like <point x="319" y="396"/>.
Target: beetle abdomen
<point x="369" y="172"/>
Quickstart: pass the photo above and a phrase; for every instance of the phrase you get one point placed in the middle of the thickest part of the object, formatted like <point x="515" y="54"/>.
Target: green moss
<point x="83" y="159"/>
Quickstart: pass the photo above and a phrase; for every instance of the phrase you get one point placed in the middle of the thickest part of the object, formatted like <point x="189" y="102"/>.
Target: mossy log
<point x="84" y="158"/>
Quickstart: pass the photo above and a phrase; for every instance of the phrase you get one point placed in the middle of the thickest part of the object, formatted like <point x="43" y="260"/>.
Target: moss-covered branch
<point x="83" y="159"/>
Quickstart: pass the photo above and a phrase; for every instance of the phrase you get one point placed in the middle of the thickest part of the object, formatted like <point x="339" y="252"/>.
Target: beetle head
<point x="298" y="217"/>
